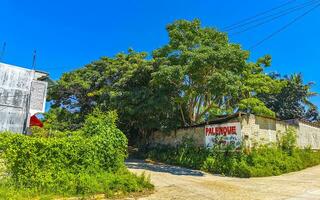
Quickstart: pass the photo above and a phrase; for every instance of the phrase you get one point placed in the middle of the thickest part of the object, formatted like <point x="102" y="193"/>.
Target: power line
<point x="273" y="16"/>
<point x="259" y="14"/>
<point x="284" y="27"/>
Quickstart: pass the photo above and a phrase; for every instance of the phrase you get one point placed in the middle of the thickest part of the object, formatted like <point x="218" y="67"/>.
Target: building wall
<point x="255" y="130"/>
<point x="15" y="84"/>
<point x="174" y="138"/>
<point x="21" y="96"/>
<point x="308" y="136"/>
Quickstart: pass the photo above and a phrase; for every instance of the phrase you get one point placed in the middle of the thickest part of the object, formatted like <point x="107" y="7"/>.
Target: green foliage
<point x="288" y="141"/>
<point x="293" y="100"/>
<point x="186" y="154"/>
<point x="85" y="162"/>
<point x="60" y="119"/>
<point x="255" y="106"/>
<point x="196" y="76"/>
<point x="200" y="66"/>
<point x="206" y="72"/>
<point x="268" y="160"/>
<point x="120" y="83"/>
<point x="255" y="83"/>
<point x="110" y="184"/>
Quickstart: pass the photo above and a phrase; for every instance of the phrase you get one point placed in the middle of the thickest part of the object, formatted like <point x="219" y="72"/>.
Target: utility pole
<point x="3" y="51"/>
<point x="28" y="97"/>
<point x="26" y="121"/>
<point x="34" y="59"/>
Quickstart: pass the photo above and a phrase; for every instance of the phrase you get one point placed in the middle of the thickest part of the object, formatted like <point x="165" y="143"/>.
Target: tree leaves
<point x="292" y="102"/>
<point x="197" y="75"/>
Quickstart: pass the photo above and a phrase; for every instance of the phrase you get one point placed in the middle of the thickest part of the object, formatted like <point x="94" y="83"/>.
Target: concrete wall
<point x="308" y="136"/>
<point x="174" y="138"/>
<point x="255" y="130"/>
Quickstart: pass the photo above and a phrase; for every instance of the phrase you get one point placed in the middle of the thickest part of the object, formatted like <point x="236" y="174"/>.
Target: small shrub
<point x="209" y="164"/>
<point x="243" y="170"/>
<point x="288" y="141"/>
<point x="187" y="154"/>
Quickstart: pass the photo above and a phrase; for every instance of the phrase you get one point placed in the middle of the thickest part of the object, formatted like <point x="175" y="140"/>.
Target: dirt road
<point x="180" y="183"/>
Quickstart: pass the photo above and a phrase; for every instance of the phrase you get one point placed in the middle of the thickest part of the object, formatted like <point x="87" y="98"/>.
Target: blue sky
<point x="68" y="34"/>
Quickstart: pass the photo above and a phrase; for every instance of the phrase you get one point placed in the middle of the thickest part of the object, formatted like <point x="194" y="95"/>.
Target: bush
<point x="266" y="160"/>
<point x="288" y="141"/>
<point x="109" y="184"/>
<point x="84" y="162"/>
<point x="187" y="154"/>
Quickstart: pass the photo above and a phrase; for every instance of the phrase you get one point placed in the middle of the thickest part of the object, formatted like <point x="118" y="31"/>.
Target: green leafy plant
<point x="85" y="162"/>
<point x="288" y="141"/>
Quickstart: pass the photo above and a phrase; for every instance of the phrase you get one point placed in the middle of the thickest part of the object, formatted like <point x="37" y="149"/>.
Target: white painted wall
<point x="308" y="136"/>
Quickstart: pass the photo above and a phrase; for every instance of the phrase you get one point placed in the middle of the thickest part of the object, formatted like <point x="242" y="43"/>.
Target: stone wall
<point x="255" y="130"/>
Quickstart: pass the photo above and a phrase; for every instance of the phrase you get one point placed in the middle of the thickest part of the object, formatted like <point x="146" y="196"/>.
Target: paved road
<point x="179" y="183"/>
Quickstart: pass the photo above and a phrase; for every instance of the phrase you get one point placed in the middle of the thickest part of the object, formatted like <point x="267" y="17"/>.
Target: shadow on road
<point x="138" y="164"/>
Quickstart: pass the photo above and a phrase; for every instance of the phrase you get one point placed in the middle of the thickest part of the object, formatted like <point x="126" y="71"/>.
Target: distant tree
<point x="293" y="101"/>
<point x="312" y="115"/>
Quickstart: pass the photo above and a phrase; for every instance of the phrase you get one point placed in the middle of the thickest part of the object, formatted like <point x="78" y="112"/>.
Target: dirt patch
<point x="179" y="183"/>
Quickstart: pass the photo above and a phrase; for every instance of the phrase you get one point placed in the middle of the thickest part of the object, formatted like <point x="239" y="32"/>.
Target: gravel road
<point x="179" y="183"/>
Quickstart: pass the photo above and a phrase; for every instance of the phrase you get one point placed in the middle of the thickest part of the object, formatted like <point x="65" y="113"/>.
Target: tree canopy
<point x="208" y="74"/>
<point x="196" y="76"/>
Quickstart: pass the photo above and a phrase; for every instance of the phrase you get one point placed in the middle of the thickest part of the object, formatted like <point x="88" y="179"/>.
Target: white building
<point x="22" y="94"/>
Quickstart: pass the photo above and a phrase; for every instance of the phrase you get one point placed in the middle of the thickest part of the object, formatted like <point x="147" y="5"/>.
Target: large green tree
<point x="204" y="73"/>
<point x="122" y="84"/>
<point x="196" y="76"/>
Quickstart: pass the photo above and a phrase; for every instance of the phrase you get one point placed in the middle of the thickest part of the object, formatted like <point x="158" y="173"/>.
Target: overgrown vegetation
<point x="83" y="162"/>
<point x="266" y="160"/>
<point x="198" y="75"/>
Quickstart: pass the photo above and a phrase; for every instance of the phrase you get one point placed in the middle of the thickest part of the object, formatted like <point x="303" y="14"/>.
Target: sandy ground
<point x="179" y="183"/>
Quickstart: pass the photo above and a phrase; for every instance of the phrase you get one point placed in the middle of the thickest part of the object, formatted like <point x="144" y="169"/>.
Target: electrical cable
<point x="284" y="27"/>
<point x="274" y="17"/>
<point x="259" y="14"/>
